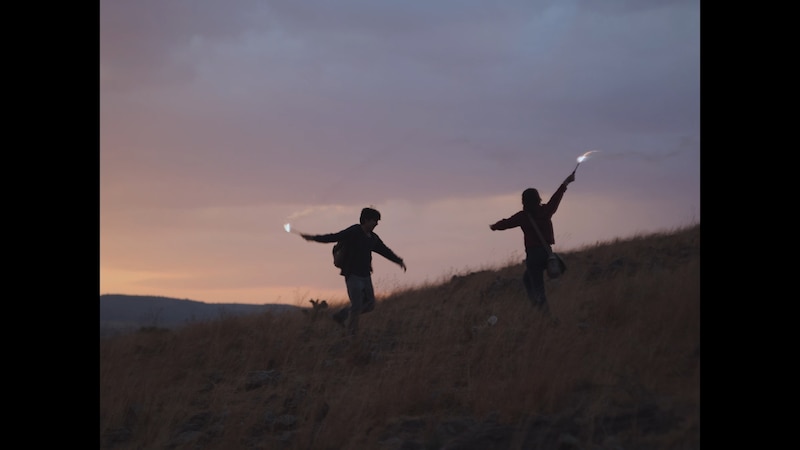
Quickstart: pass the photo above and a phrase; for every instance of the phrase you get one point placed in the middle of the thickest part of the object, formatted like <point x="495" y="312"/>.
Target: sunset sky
<point x="220" y="121"/>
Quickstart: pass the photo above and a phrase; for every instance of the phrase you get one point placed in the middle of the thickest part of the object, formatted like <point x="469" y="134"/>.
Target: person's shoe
<point x="339" y="318"/>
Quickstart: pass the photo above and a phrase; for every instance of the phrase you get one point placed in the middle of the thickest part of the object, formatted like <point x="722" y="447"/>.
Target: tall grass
<point x="625" y="339"/>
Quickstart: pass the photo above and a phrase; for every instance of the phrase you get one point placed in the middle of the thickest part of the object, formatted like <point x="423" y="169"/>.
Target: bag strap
<point x="541" y="238"/>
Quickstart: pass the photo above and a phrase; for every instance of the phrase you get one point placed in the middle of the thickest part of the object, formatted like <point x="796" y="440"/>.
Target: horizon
<point x="336" y="296"/>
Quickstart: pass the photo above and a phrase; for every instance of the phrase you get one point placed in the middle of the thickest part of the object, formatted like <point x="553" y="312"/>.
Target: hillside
<point x="125" y="313"/>
<point x="619" y="368"/>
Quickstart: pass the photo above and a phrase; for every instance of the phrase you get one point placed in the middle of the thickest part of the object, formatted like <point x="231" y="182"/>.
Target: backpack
<point x="339" y="253"/>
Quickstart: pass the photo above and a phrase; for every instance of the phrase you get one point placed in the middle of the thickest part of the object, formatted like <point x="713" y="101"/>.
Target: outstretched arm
<point x="388" y="253"/>
<point x="325" y="238"/>
<point x="311" y="237"/>
<point x="511" y="222"/>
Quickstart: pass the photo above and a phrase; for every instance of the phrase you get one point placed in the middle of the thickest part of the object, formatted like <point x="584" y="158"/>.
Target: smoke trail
<point x="335" y="209"/>
<point x="686" y="144"/>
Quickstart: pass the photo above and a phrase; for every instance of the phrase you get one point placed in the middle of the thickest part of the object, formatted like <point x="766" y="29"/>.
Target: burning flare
<point x="585" y="155"/>
<point x="583" y="158"/>
<point x="289" y="229"/>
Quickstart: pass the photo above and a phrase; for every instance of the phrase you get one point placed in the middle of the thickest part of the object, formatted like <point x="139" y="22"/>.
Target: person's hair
<point x="530" y="199"/>
<point x="369" y="214"/>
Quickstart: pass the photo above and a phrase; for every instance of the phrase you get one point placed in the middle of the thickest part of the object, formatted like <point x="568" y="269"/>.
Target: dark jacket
<point x="541" y="214"/>
<point x="358" y="259"/>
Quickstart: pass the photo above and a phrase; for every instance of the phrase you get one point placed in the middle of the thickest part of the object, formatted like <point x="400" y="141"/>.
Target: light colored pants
<point x="362" y="299"/>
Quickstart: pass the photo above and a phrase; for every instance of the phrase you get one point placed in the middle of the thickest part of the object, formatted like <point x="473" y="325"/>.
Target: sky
<point x="221" y="121"/>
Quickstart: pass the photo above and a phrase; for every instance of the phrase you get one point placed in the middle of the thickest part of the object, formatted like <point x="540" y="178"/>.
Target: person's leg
<point x="355" y="291"/>
<point x="526" y="281"/>
<point x="369" y="297"/>
<point x="534" y="272"/>
<point x="341" y="316"/>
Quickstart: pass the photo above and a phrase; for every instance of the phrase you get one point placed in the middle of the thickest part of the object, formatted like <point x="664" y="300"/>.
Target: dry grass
<point x="626" y="340"/>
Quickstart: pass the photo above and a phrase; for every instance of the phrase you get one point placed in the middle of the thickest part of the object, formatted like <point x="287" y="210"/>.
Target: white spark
<point x="586" y="155"/>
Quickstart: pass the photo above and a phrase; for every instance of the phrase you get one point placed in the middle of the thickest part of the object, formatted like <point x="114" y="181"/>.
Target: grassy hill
<point x="619" y="368"/>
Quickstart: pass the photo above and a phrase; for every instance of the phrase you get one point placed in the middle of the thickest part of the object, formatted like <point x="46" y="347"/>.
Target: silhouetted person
<point x="535" y="252"/>
<point x="360" y="241"/>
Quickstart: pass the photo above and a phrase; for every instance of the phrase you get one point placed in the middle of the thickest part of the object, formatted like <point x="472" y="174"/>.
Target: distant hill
<point x="120" y="313"/>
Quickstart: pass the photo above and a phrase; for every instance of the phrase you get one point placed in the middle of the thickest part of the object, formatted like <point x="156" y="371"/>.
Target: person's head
<point x="370" y="216"/>
<point x="530" y="199"/>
